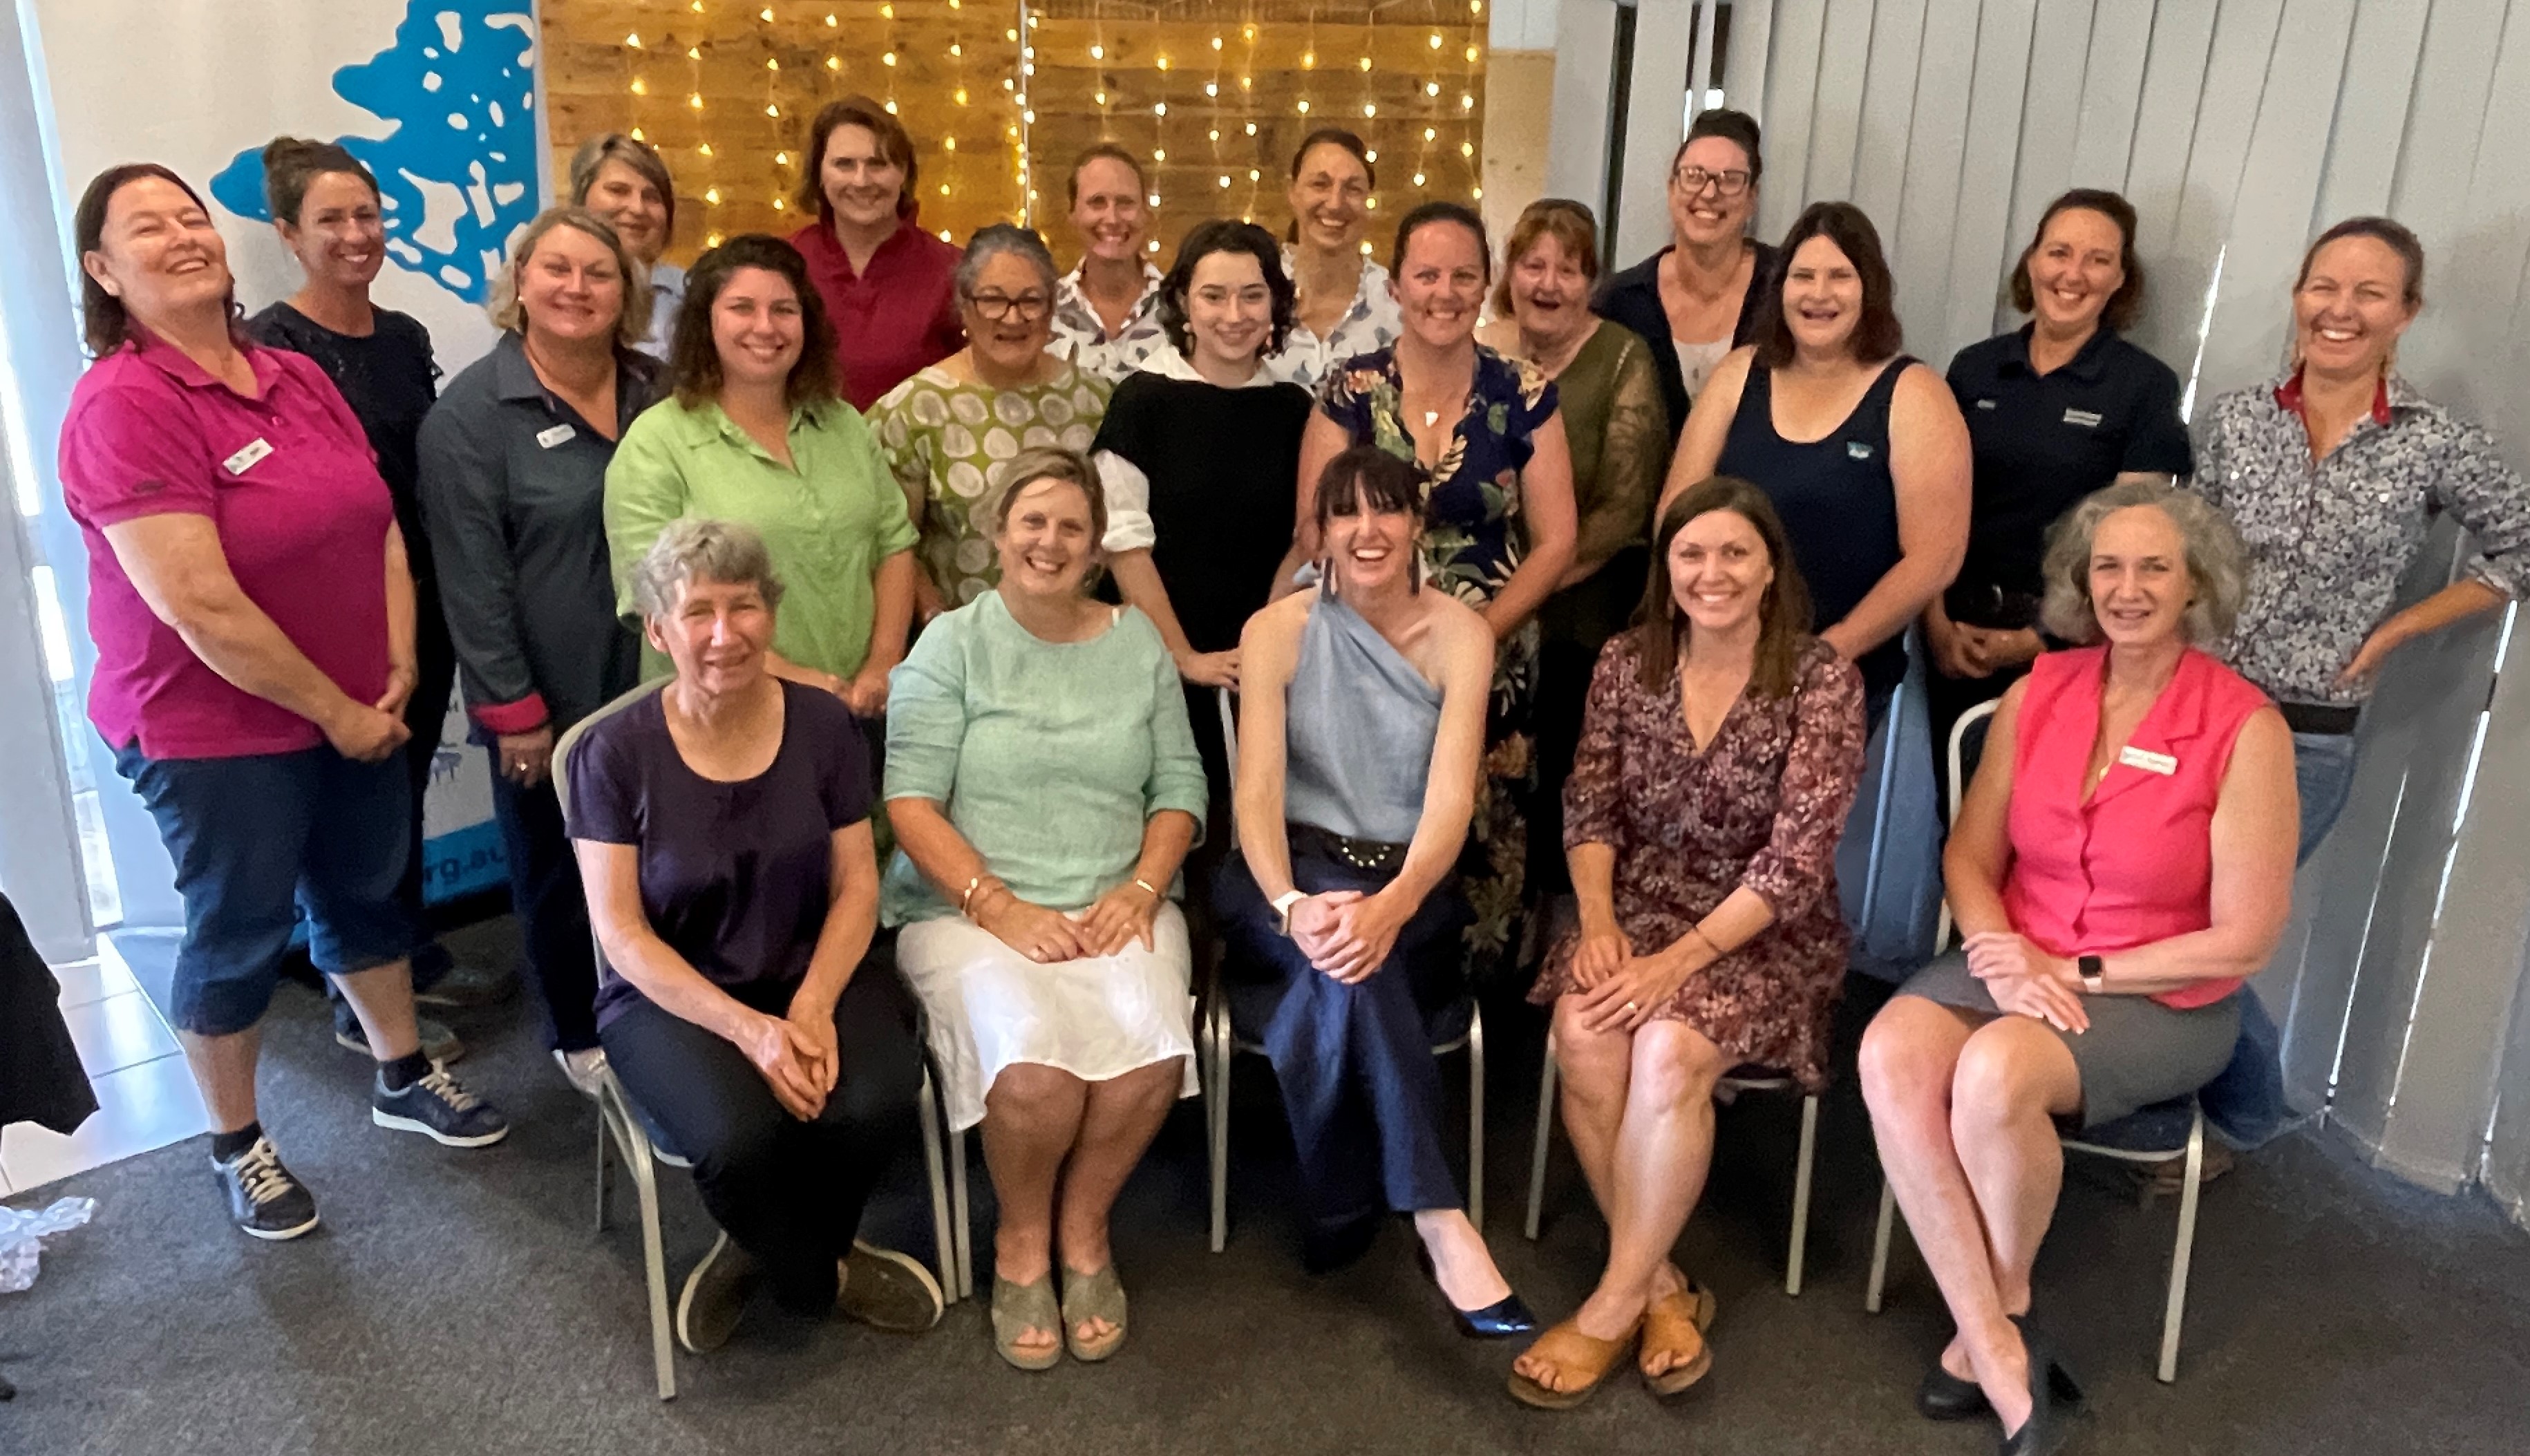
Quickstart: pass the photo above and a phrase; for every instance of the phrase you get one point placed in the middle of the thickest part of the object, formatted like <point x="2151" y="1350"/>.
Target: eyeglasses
<point x="1730" y="184"/>
<point x="995" y="307"/>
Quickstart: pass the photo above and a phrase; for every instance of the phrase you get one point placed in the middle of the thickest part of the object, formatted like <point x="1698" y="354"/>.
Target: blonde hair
<point x="631" y="326"/>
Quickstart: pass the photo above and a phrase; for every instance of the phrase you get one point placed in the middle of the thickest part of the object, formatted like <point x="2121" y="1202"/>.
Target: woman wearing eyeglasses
<point x="1697" y="299"/>
<point x="952" y="430"/>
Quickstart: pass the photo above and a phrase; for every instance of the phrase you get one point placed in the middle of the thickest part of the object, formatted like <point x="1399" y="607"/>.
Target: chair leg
<point x="604" y="1171"/>
<point x="1216" y="1031"/>
<point x="2177" y="1309"/>
<point x="1880" y="1248"/>
<point x="1476" y="1117"/>
<point x="1537" y="1143"/>
<point x="962" y="1226"/>
<point x="1801" y="1194"/>
<point x="654" y="1259"/>
<point x="944" y="1248"/>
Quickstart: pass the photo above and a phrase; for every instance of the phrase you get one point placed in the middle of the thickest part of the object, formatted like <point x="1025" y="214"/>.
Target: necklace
<point x="1431" y="418"/>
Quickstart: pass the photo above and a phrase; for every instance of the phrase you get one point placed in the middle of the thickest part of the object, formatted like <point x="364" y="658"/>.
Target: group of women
<point x="947" y="558"/>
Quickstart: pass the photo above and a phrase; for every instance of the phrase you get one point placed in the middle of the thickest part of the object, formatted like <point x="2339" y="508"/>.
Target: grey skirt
<point x="2137" y="1051"/>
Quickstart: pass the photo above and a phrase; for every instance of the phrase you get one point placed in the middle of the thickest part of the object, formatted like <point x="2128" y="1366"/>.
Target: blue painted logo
<point x="458" y="168"/>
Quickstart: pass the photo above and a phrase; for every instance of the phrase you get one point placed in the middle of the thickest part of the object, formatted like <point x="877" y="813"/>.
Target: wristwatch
<point x="1283" y="904"/>
<point x="2093" y="974"/>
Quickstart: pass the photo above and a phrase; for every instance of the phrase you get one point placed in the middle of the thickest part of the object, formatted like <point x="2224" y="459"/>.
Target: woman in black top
<point x="325" y="205"/>
<point x="1214" y="443"/>
<point x="1860" y="447"/>
<point x="2057" y="408"/>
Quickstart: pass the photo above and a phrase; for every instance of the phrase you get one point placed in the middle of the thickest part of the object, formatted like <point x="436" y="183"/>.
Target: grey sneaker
<point x="438" y="1108"/>
<point x="716" y="1293"/>
<point x="584" y="1070"/>
<point x="468" y="985"/>
<point x="888" y="1290"/>
<point x="438" y="1042"/>
<point x="265" y="1200"/>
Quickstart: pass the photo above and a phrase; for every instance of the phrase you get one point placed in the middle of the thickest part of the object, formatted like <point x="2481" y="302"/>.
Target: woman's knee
<point x="1591" y="1061"/>
<point x="2006" y="1074"/>
<point x="1027" y="1092"/>
<point x="1675" y="1066"/>
<point x="1908" y="1053"/>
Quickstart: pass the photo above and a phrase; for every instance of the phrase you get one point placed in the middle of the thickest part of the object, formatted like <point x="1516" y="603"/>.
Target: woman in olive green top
<point x="758" y="433"/>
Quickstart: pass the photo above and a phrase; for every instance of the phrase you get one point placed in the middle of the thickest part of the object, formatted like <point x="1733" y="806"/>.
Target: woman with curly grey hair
<point x="2122" y="861"/>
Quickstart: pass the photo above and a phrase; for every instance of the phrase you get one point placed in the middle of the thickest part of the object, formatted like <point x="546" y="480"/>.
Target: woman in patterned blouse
<point x="1718" y="760"/>
<point x="2333" y="473"/>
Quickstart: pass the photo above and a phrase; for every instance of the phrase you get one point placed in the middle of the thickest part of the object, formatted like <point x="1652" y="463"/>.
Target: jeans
<point x="2323" y="775"/>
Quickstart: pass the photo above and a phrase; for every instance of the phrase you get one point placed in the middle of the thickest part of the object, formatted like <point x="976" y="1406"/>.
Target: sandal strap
<point x="1093" y="1296"/>
<point x="1566" y="1346"/>
<point x="1021" y="1308"/>
<point x="1670" y="1324"/>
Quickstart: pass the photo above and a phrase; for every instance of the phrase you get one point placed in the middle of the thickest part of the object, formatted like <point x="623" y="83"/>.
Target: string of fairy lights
<point x="1215" y="95"/>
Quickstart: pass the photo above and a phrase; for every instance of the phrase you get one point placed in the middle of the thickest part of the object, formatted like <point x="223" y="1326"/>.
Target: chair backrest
<point x="1228" y="702"/>
<point x="567" y="745"/>
<point x="1961" y="766"/>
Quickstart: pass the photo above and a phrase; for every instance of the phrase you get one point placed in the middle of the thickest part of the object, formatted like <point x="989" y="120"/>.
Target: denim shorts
<point x="261" y="840"/>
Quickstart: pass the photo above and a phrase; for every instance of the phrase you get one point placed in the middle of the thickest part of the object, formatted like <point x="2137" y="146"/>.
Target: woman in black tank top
<point x="1874" y="497"/>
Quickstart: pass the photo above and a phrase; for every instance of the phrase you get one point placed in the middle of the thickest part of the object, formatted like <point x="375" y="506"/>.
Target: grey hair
<point x="694" y="550"/>
<point x="990" y="243"/>
<point x="2217" y="566"/>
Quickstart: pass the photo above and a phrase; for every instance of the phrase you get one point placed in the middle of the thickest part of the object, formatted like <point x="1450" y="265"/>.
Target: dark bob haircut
<point x="103" y="321"/>
<point x="694" y="359"/>
<point x="1783" y="617"/>
<point x="2127" y="300"/>
<point x="1876" y="335"/>
<point x="1226" y="235"/>
<point x="1435" y="214"/>
<point x="1366" y="477"/>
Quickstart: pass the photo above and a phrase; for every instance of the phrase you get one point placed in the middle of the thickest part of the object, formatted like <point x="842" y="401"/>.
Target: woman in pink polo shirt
<point x="2122" y="859"/>
<point x="253" y="620"/>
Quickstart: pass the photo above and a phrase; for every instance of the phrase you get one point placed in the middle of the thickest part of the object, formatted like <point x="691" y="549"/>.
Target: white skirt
<point x="1097" y="1018"/>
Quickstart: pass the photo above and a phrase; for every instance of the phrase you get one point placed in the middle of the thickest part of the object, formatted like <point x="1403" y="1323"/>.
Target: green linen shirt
<point x="1051" y="757"/>
<point x="829" y="517"/>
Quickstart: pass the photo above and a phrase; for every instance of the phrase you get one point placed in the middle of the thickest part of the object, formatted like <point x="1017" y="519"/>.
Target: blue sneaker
<point x="265" y="1200"/>
<point x="438" y="1108"/>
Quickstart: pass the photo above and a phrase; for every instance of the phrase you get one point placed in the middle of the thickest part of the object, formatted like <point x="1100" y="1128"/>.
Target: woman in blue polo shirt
<point x="2057" y="408"/>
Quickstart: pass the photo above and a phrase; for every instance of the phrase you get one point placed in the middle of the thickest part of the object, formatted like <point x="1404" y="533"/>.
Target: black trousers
<point x="425" y="713"/>
<point x="789" y="1192"/>
<point x="553" y="912"/>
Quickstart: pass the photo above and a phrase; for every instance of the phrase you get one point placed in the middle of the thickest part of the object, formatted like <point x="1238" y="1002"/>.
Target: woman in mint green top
<point x="1043" y="782"/>
<point x="758" y="433"/>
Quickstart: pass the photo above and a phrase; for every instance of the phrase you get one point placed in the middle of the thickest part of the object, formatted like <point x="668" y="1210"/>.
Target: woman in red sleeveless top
<point x="2124" y="858"/>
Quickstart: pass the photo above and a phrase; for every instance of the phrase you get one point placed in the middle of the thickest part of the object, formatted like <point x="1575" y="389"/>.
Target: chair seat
<point x="2155" y="1132"/>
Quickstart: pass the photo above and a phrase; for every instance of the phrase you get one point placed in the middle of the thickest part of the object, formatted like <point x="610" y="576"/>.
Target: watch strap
<point x="2092" y="970"/>
<point x="1283" y="904"/>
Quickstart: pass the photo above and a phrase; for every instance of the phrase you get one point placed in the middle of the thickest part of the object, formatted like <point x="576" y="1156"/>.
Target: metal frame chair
<point x="2175" y="1303"/>
<point x="1216" y="1043"/>
<point x="1740" y="1080"/>
<point x="621" y="1124"/>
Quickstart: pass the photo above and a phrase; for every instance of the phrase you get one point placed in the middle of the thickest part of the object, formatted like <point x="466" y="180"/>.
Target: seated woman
<point x="2123" y="857"/>
<point x="722" y="826"/>
<point x="1718" y="760"/>
<point x="1043" y="784"/>
<point x="1361" y="732"/>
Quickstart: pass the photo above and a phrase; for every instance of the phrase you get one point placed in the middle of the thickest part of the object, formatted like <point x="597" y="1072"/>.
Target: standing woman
<point x="1346" y="306"/>
<point x="1699" y="297"/>
<point x="1499" y="512"/>
<point x="623" y="181"/>
<point x="952" y="430"/>
<point x="886" y="282"/>
<point x="2057" y="408"/>
<point x="325" y="205"/>
<point x="512" y="482"/>
<point x="254" y="620"/>
<point x="1106" y="309"/>
<point x="2332" y="471"/>
<point x="756" y="434"/>
<point x="1211" y="443"/>
<point x="1860" y="448"/>
<point x="1610" y="393"/>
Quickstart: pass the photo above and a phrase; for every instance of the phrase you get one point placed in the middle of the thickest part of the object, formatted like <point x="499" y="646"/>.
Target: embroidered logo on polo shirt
<point x="243" y="460"/>
<point x="2088" y="419"/>
<point x="1857" y="450"/>
<point x="1986" y="405"/>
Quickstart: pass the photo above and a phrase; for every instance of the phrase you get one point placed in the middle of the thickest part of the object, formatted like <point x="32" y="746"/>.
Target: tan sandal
<point x="1087" y="1297"/>
<point x="1570" y="1350"/>
<point x="1675" y="1325"/>
<point x="1019" y="1309"/>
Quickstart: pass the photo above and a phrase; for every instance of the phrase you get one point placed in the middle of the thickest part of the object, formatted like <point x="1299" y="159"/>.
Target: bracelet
<point x="969" y="898"/>
<point x="1147" y="887"/>
<point x="1697" y="930"/>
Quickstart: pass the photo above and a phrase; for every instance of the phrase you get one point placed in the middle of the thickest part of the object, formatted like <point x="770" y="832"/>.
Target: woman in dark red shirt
<point x="885" y="281"/>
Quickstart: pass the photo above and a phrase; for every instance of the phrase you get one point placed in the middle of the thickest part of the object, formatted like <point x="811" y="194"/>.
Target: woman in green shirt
<point x="1043" y="783"/>
<point x="757" y="432"/>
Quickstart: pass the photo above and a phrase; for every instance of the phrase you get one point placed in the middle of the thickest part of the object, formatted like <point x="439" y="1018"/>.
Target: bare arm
<point x="1139" y="582"/>
<point x="1458" y="758"/>
<point x="852" y="916"/>
<point x="1269" y="650"/>
<point x="891" y="619"/>
<point x="1929" y="460"/>
<point x="612" y="875"/>
<point x="1708" y="425"/>
<point x="1546" y="503"/>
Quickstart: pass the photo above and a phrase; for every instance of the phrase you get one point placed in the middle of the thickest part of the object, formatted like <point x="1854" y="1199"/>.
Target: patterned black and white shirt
<point x="1082" y="337"/>
<point x="2330" y="540"/>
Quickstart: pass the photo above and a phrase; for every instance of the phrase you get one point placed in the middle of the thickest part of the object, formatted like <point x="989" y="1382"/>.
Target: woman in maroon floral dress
<point x="1719" y="756"/>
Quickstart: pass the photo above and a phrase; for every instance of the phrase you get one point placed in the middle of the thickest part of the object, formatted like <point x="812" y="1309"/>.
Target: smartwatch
<point x="1283" y="904"/>
<point x="2092" y="973"/>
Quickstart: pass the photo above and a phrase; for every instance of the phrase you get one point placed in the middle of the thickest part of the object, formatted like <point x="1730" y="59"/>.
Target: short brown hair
<point x="1566" y="221"/>
<point x="2127" y="300"/>
<point x="631" y="328"/>
<point x="290" y="165"/>
<point x="1051" y="463"/>
<point x="1878" y="335"/>
<point x="1782" y="616"/>
<point x="105" y="322"/>
<point x="1735" y="127"/>
<point x="1439" y="213"/>
<point x="2388" y="232"/>
<point x="1112" y="152"/>
<point x="633" y="152"/>
<point x="694" y="358"/>
<point x="894" y="144"/>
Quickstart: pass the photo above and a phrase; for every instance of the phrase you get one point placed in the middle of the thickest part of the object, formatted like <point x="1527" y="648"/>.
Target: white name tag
<point x="558" y="435"/>
<point x="2088" y="419"/>
<point x="2148" y="761"/>
<point x="1987" y="405"/>
<point x="243" y="460"/>
<point x="1857" y="450"/>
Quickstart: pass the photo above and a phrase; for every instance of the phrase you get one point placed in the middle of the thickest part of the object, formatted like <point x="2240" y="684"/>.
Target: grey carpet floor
<point x="462" y="1303"/>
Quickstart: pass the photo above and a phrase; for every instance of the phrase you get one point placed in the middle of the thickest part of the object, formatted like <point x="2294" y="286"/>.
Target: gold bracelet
<point x="1145" y="886"/>
<point x="969" y="898"/>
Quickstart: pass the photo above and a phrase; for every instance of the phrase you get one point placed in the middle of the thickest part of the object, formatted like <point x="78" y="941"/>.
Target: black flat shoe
<point x="2049" y="1423"/>
<point x="1326" y="1249"/>
<point x="1944" y="1396"/>
<point x="1504" y="1318"/>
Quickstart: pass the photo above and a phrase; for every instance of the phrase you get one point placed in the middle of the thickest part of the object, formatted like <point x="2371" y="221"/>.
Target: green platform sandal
<point x="1019" y="1309"/>
<point x="1086" y="1297"/>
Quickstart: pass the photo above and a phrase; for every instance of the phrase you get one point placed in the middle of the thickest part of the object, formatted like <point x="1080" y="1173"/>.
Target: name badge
<point x="243" y="460"/>
<point x="1987" y="405"/>
<point x="1857" y="450"/>
<point x="2088" y="419"/>
<point x="558" y="435"/>
<point x="2147" y="760"/>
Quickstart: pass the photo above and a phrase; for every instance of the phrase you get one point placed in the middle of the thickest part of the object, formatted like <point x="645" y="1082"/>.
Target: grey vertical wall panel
<point x="2454" y="72"/>
<point x="2173" y="80"/>
<point x="2482" y="273"/>
<point x="2235" y="78"/>
<point x="2060" y="48"/>
<point x="1654" y="121"/>
<point x="1745" y="67"/>
<point x="2112" y="91"/>
<point x="1881" y="143"/>
<point x="1576" y="127"/>
<point x="1836" y="128"/>
<point x="2372" y="117"/>
<point x="1791" y="110"/>
<point x="1928" y="216"/>
<point x="1981" y="247"/>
